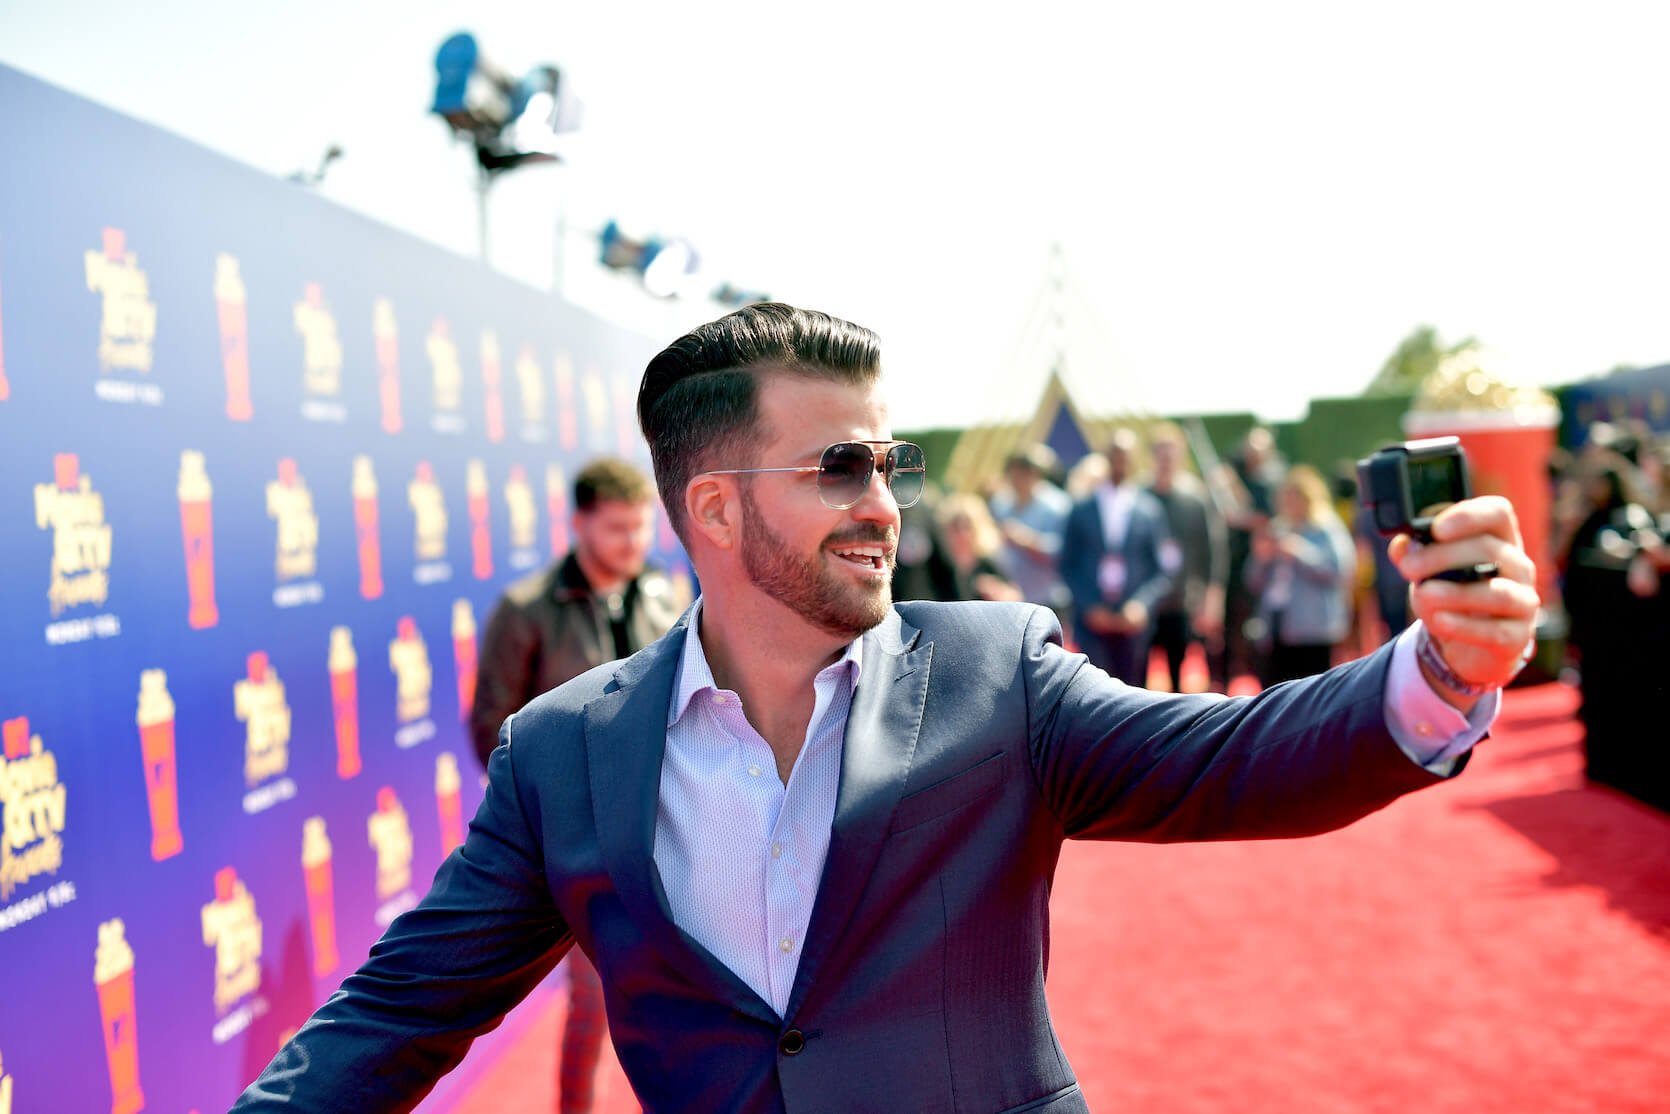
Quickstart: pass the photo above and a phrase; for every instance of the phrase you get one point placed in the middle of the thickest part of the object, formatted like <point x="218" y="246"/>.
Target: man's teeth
<point x="871" y="555"/>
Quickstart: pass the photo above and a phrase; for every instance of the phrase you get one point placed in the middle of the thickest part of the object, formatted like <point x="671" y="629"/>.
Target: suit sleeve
<point x="504" y="676"/>
<point x="443" y="974"/>
<point x="1113" y="762"/>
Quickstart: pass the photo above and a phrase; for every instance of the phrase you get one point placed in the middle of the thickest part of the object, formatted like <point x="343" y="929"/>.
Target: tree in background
<point x="1413" y="360"/>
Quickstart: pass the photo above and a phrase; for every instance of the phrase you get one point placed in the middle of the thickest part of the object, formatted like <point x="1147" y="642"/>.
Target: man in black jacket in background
<point x="597" y="604"/>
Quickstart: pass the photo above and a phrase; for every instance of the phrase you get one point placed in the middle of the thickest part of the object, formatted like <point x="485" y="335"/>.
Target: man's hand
<point x="1102" y="620"/>
<point x="1480" y="629"/>
<point x="1132" y="616"/>
<point x="1209" y="619"/>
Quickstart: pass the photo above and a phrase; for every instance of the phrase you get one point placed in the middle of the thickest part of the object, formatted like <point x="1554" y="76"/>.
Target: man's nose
<point x="877" y="503"/>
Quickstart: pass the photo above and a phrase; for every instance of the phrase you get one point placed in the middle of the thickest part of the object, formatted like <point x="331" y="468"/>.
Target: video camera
<point x="1404" y="487"/>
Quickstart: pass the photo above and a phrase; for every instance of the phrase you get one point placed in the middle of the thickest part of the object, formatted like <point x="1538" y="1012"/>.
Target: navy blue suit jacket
<point x="974" y="746"/>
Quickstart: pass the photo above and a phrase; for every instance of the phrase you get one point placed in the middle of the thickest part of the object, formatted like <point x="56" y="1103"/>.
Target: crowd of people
<point x="1137" y="550"/>
<point x="1275" y="573"/>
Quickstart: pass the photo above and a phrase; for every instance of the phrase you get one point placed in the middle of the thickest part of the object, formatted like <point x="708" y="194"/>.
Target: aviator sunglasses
<point x="846" y="467"/>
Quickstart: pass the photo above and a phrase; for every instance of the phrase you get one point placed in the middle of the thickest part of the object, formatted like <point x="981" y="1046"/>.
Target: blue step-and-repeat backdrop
<point x="267" y="464"/>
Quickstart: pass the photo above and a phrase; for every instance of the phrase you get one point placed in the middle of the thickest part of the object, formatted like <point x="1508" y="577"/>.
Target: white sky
<point x="1256" y="201"/>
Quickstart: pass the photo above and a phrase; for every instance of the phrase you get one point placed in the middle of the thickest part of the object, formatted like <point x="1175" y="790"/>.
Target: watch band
<point x="1426" y="651"/>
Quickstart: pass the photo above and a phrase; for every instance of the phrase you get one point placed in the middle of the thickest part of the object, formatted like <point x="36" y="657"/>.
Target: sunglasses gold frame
<point x="880" y="461"/>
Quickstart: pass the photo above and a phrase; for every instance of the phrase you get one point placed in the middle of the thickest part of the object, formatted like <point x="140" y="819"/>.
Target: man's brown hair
<point x="608" y="480"/>
<point x="698" y="404"/>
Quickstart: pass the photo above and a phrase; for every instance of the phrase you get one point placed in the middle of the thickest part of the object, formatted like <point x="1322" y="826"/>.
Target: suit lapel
<point x="882" y="729"/>
<point x="626" y="738"/>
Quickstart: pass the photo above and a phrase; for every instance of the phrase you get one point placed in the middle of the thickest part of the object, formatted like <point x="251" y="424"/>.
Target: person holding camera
<point x="810" y="836"/>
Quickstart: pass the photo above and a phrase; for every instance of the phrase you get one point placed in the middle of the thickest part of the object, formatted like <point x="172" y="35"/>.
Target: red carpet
<point x="1500" y="943"/>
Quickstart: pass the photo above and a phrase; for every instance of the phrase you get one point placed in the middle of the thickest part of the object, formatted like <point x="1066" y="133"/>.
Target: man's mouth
<point x="872" y="557"/>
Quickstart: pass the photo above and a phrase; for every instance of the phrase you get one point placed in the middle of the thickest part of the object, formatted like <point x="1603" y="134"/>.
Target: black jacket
<point x="550" y="627"/>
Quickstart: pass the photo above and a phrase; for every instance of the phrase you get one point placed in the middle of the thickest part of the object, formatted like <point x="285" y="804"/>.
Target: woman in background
<point x="972" y="541"/>
<point x="1301" y="569"/>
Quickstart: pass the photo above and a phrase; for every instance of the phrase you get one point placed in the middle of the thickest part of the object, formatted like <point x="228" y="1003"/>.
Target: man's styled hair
<point x="608" y="480"/>
<point x="698" y="404"/>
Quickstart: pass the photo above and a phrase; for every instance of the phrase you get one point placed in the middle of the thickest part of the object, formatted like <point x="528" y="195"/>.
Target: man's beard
<point x="844" y="608"/>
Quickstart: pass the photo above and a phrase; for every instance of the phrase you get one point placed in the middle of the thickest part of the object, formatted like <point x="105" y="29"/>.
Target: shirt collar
<point x="695" y="676"/>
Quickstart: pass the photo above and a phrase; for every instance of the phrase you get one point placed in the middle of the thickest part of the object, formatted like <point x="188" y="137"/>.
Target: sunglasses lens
<point x="907" y="472"/>
<point x="844" y="473"/>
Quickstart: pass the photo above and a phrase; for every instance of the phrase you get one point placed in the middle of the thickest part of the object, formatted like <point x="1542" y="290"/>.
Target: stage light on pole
<point x="510" y="123"/>
<point x="666" y="268"/>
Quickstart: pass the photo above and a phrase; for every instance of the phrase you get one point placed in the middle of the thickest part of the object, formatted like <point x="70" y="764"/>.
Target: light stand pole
<point x="483" y="183"/>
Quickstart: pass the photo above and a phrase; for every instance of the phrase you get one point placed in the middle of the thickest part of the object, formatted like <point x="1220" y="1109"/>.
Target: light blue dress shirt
<point x="741" y="854"/>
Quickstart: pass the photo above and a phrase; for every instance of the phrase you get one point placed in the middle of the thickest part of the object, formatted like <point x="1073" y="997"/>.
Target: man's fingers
<point x="1500" y="597"/>
<point x="1500" y="636"/>
<point x="1486" y="514"/>
<point x="1418" y="562"/>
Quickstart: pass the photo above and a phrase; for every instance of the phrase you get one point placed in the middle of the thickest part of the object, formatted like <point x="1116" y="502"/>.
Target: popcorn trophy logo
<point x="197" y="529"/>
<point x="447" y="371"/>
<point x="521" y="509"/>
<point x="129" y="324"/>
<point x="232" y="301"/>
<point x="345" y="701"/>
<point x="290" y="504"/>
<point x="568" y="413"/>
<point x="321" y="894"/>
<point x="597" y="409"/>
<point x="113" y="978"/>
<point x="321" y="346"/>
<point x="366" y="529"/>
<point x="386" y="335"/>
<point x="492" y="378"/>
<point x="464" y="654"/>
<point x="5" y="1080"/>
<point x="81" y="538"/>
<point x="449" y="800"/>
<point x="232" y="929"/>
<point x="156" y="745"/>
<point x="556" y="506"/>
<point x="530" y="379"/>
<point x="429" y="514"/>
<point x="259" y="702"/>
<point x="481" y="534"/>
<point x="32" y="808"/>
<point x="390" y="835"/>
<point x="409" y="660"/>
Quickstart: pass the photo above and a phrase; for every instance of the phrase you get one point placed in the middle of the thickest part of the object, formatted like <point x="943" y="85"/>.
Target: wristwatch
<point x="1426" y="652"/>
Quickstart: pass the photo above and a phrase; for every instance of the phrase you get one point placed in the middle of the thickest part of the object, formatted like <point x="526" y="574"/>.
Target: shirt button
<point x="776" y="850"/>
<point x="718" y="698"/>
<point x="786" y="944"/>
<point x="1423" y="729"/>
<point x="753" y="771"/>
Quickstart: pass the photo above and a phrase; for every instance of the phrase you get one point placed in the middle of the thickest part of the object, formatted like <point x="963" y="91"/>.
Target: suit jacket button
<point x="791" y="1042"/>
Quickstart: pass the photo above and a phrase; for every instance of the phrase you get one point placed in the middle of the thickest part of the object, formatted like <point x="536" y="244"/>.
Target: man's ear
<point x="711" y="508"/>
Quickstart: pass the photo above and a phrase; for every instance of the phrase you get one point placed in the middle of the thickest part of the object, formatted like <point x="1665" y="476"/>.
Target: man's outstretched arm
<point x="442" y="975"/>
<point x="1301" y="758"/>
